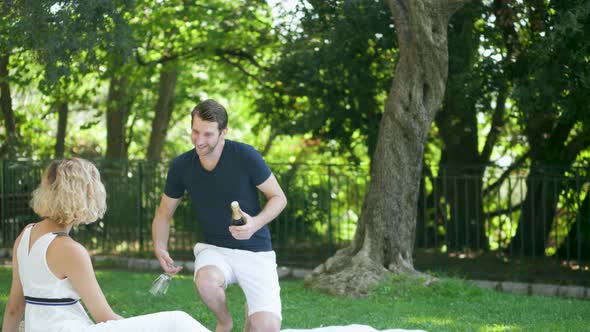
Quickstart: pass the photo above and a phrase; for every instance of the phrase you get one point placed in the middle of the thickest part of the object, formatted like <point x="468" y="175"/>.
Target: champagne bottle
<point x="236" y="216"/>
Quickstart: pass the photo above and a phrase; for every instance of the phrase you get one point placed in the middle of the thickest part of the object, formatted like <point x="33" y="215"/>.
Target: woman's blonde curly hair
<point x="70" y="193"/>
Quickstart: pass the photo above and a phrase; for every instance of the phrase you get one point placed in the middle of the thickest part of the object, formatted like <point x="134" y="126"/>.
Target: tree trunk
<point x="163" y="111"/>
<point x="118" y="107"/>
<point x="62" y="123"/>
<point x="538" y="211"/>
<point x="6" y="104"/>
<point x="544" y="182"/>
<point x="577" y="243"/>
<point x="384" y="239"/>
<point x="457" y="122"/>
<point x="544" y="186"/>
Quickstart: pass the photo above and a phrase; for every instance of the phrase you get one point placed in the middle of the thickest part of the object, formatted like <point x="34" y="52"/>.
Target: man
<point x="215" y="173"/>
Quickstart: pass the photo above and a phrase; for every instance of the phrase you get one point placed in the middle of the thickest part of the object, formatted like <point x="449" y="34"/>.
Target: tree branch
<point x="130" y="132"/>
<point x="241" y="54"/>
<point x="451" y="6"/>
<point x="505" y="211"/>
<point x="269" y="141"/>
<point x="497" y="123"/>
<point x="562" y="130"/>
<point x="577" y="144"/>
<point x="193" y="51"/>
<point x="241" y="68"/>
<point x="169" y="57"/>
<point x="506" y="173"/>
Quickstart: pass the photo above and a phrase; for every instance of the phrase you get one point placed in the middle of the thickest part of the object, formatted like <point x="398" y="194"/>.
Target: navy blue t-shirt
<point x="235" y="177"/>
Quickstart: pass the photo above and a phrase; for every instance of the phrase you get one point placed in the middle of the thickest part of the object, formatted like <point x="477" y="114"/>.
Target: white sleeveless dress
<point x="52" y="304"/>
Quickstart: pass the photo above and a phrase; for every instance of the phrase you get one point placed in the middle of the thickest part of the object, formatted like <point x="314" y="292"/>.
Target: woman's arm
<point x="77" y="266"/>
<point x="15" y="307"/>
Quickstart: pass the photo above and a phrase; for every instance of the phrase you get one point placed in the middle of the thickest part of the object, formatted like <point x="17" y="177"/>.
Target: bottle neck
<point x="235" y="213"/>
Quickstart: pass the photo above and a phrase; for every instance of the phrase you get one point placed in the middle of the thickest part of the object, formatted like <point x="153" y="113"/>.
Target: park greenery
<point x="309" y="83"/>
<point x="451" y="305"/>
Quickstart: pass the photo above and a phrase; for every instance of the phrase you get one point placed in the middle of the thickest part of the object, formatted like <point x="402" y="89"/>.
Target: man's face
<point x="205" y="136"/>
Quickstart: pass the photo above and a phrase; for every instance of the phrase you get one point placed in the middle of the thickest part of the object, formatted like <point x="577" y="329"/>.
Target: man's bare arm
<point x="161" y="233"/>
<point x="276" y="202"/>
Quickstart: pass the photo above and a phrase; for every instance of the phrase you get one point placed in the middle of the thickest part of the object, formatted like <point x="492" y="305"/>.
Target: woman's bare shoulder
<point x="68" y="247"/>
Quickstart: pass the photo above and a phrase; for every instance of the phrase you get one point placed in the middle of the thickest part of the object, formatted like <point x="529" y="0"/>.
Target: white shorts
<point x="255" y="272"/>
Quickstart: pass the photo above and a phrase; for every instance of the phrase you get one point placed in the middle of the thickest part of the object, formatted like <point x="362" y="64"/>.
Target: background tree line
<point x="117" y="80"/>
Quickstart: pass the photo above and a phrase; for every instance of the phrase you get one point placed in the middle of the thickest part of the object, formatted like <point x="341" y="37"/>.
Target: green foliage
<point x="75" y="48"/>
<point x="324" y="205"/>
<point x="60" y="32"/>
<point x="553" y="80"/>
<point x="333" y="74"/>
<point x="216" y="46"/>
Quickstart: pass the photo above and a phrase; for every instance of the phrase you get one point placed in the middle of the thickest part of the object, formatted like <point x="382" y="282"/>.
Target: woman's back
<point x="51" y="302"/>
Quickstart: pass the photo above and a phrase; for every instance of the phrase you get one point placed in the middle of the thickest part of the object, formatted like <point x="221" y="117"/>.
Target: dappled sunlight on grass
<point x="499" y="328"/>
<point x="448" y="324"/>
<point x="429" y="320"/>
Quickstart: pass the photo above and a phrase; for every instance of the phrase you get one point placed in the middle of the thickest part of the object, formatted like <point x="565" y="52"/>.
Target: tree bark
<point x="163" y="111"/>
<point x="118" y="108"/>
<point x="7" y="110"/>
<point x="384" y="239"/>
<point x="62" y="123"/>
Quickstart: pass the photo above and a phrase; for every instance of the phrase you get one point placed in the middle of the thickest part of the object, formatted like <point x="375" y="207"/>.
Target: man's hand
<point x="166" y="262"/>
<point x="246" y="231"/>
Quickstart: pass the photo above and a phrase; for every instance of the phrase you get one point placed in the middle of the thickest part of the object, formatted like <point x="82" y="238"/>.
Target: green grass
<point x="450" y="305"/>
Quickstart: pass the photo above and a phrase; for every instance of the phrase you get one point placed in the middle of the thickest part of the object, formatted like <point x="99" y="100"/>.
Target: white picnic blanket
<point x="348" y="328"/>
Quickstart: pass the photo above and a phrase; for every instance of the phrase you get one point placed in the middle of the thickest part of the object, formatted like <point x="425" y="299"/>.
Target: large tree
<point x="9" y="42"/>
<point x="384" y="239"/>
<point x="333" y="75"/>
<point x="458" y="131"/>
<point x="551" y="92"/>
<point x="6" y="106"/>
<point x="163" y="111"/>
<point x="477" y="85"/>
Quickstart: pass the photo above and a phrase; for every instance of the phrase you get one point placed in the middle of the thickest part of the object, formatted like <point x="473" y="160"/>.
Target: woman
<point x="52" y="273"/>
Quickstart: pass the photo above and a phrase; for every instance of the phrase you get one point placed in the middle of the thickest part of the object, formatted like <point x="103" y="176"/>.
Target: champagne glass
<point x="161" y="284"/>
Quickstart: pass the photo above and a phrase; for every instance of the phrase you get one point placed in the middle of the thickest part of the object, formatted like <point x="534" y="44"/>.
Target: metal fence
<point x="535" y="212"/>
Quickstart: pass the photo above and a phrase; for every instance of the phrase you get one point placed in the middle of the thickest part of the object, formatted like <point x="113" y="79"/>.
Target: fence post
<point x="330" y="234"/>
<point x="579" y="217"/>
<point x="587" y="193"/>
<point x="3" y="203"/>
<point x="139" y="203"/>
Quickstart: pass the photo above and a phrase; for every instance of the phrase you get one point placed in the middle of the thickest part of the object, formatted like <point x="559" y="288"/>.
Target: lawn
<point x="450" y="305"/>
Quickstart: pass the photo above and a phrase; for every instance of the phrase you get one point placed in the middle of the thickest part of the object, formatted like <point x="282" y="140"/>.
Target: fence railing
<point x="536" y="212"/>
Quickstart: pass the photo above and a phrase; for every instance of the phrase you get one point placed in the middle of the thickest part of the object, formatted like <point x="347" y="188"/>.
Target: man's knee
<point x="264" y="322"/>
<point x="209" y="279"/>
